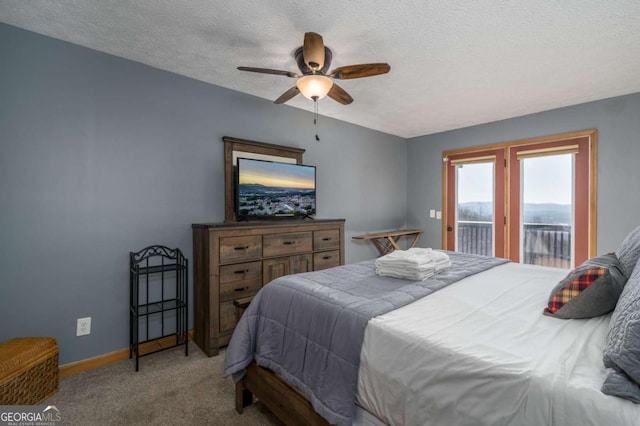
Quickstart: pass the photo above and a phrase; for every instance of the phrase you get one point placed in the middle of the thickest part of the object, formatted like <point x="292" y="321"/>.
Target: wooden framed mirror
<point x="234" y="148"/>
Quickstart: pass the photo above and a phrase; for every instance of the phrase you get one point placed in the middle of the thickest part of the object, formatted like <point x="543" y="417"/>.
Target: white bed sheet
<point x="480" y="352"/>
<point x="362" y="417"/>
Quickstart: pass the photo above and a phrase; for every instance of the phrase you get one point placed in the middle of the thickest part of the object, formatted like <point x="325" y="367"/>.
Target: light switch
<point x="432" y="213"/>
<point x="438" y="215"/>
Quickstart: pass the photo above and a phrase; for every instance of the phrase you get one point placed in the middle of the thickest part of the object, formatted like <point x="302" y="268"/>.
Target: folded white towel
<point x="415" y="264"/>
<point x="412" y="257"/>
<point x="406" y="275"/>
<point x="441" y="266"/>
<point x="404" y="262"/>
<point x="426" y="267"/>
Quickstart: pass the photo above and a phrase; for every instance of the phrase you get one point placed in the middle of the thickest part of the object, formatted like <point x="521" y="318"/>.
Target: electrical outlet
<point x="83" y="327"/>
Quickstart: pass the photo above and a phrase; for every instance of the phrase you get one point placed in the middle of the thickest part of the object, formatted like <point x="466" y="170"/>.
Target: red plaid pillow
<point x="573" y="288"/>
<point x="590" y="290"/>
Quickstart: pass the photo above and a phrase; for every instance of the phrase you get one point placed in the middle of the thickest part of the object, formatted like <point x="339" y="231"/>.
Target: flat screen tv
<point x="272" y="189"/>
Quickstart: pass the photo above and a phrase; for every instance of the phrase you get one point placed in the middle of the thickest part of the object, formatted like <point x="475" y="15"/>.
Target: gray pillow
<point x="590" y="290"/>
<point x="618" y="384"/>
<point x="622" y="349"/>
<point x="629" y="251"/>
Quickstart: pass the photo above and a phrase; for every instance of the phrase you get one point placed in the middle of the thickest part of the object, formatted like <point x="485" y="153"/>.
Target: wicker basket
<point x="28" y="370"/>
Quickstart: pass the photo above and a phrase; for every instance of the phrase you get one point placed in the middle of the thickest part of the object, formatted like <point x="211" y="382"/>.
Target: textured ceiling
<point x="453" y="63"/>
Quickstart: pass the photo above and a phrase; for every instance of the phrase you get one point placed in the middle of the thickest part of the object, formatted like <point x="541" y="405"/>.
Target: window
<point x="531" y="201"/>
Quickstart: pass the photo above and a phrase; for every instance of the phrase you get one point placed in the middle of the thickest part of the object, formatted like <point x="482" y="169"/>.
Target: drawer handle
<point x="327" y="239"/>
<point x="326" y="257"/>
<point x="241" y="289"/>
<point x="241" y="247"/>
<point x="243" y="271"/>
<point x="288" y="243"/>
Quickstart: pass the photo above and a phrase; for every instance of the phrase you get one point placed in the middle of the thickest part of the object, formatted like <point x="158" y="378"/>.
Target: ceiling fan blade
<point x="313" y="51"/>
<point x="338" y="94"/>
<point x="287" y="95"/>
<point x="268" y="71"/>
<point x="359" y="71"/>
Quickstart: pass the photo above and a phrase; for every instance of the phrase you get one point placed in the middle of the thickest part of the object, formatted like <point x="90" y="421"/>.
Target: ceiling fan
<point x="313" y="59"/>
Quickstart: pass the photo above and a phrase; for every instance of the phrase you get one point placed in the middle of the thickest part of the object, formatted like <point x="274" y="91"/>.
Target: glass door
<point x="475" y="206"/>
<point x="546" y="210"/>
<point x="532" y="201"/>
<point x="549" y="203"/>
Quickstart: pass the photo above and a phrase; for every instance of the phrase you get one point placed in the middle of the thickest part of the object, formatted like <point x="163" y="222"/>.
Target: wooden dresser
<point x="232" y="261"/>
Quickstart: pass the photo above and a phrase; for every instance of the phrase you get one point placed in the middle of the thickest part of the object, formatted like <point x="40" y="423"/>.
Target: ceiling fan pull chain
<point x="315" y="116"/>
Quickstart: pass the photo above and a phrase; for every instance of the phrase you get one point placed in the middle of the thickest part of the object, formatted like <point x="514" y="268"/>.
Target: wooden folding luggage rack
<point x="387" y="241"/>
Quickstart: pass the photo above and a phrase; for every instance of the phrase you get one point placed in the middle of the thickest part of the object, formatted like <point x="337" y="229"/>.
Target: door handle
<point x="449" y="229"/>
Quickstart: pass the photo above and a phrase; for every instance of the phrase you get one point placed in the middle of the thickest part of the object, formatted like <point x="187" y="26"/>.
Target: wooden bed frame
<point x="287" y="404"/>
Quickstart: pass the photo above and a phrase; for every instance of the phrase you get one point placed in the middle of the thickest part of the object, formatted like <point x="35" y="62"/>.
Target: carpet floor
<point x="169" y="389"/>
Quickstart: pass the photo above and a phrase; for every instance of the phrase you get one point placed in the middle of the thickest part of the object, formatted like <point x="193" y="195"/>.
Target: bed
<point x="476" y="350"/>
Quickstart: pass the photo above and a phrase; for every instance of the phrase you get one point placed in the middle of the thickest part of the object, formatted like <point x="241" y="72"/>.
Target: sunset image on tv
<point x="268" y="188"/>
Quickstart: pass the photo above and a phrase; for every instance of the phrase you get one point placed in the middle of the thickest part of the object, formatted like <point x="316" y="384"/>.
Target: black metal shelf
<point x="148" y="270"/>
<point x="155" y="261"/>
<point x="157" y="307"/>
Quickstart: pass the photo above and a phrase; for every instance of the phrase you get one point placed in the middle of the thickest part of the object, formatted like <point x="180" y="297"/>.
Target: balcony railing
<point x="547" y="245"/>
<point x="544" y="244"/>
<point x="475" y="237"/>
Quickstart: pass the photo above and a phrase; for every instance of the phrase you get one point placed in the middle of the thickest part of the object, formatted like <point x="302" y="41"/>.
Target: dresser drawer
<point x="326" y="239"/>
<point x="234" y="249"/>
<point x="240" y="272"/>
<point x="326" y="259"/>
<point x="283" y="244"/>
<point x="280" y="266"/>
<point x="240" y="289"/>
<point x="227" y="316"/>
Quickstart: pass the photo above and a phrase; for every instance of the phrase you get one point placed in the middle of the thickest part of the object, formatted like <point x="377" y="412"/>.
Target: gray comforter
<point x="308" y="328"/>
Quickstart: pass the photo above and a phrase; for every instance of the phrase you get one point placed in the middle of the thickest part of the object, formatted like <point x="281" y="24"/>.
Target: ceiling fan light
<point x="314" y="86"/>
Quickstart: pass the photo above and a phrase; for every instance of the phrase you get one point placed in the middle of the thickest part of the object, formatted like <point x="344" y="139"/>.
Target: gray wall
<point x="618" y="123"/>
<point x="100" y="156"/>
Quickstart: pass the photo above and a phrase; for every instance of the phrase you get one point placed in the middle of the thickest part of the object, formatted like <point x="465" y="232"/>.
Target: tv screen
<point x="268" y="188"/>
